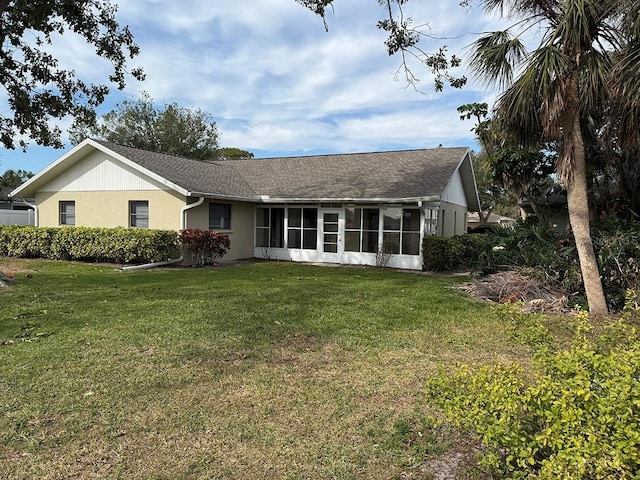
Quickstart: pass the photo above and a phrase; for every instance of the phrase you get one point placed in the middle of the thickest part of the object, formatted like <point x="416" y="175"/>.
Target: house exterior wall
<point x="111" y="208"/>
<point x="452" y="219"/>
<point x="454" y="192"/>
<point x="240" y="233"/>
<point x="102" y="187"/>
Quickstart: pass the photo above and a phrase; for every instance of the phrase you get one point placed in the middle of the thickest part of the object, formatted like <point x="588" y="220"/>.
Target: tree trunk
<point x="574" y="166"/>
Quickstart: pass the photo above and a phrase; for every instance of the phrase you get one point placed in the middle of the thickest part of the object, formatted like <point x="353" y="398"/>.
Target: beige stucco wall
<point x="241" y="232"/>
<point x="111" y="208"/>
<point x="454" y="218"/>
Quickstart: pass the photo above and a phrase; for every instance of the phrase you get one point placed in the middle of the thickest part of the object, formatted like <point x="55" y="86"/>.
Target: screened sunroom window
<point x="361" y="229"/>
<point x="302" y="226"/>
<point x="411" y="231"/>
<point x="270" y="227"/>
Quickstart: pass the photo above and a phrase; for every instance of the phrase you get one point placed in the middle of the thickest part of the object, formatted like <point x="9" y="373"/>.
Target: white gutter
<point x="183" y="218"/>
<point x="36" y="216"/>
<point x="175" y="260"/>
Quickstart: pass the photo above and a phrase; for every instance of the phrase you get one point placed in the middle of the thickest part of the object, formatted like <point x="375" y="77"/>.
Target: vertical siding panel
<point x="100" y="172"/>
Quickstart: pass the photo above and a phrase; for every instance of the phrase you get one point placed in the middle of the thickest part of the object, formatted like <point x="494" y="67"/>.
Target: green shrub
<point x="206" y="246"/>
<point x="448" y="253"/>
<point x="118" y="245"/>
<point x="577" y="418"/>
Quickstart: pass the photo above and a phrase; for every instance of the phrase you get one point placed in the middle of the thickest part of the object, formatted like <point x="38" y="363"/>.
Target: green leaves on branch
<point x="38" y="89"/>
<point x="170" y="129"/>
<point x="206" y="246"/>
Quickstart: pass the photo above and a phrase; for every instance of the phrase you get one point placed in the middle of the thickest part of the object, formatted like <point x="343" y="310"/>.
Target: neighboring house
<point x="325" y="208"/>
<point x="15" y="211"/>
<point x="494" y="220"/>
<point x="552" y="206"/>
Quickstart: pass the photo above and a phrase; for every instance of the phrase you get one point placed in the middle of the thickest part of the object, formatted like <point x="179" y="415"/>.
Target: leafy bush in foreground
<point x="118" y="245"/>
<point x="576" y="419"/>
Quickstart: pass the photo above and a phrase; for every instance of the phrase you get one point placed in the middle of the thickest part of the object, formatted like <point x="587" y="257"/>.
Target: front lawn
<point x="267" y="370"/>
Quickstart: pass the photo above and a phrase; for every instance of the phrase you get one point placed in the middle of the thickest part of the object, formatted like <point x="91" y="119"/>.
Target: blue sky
<point x="276" y="83"/>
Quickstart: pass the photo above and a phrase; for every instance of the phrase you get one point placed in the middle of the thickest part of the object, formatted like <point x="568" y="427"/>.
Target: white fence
<point x="17" y="217"/>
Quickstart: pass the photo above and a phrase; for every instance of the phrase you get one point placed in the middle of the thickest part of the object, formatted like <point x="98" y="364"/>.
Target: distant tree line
<point x="171" y="129"/>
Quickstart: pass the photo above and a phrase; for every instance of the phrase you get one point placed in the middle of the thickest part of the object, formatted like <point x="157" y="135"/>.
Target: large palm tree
<point x="587" y="63"/>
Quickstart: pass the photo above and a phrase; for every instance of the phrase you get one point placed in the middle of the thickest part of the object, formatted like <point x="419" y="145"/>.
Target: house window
<point x="431" y="219"/>
<point x="361" y="229"/>
<point x="139" y="213"/>
<point x="67" y="210"/>
<point x="219" y="216"/>
<point x="400" y="230"/>
<point x="302" y="228"/>
<point x="270" y="227"/>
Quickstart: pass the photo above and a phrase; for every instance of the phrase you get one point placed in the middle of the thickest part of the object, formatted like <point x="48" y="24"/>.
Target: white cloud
<point x="276" y="82"/>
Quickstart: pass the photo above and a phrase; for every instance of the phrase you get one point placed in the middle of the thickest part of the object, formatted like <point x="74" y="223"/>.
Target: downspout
<point x="183" y="217"/>
<point x="36" y="217"/>
<point x="183" y="222"/>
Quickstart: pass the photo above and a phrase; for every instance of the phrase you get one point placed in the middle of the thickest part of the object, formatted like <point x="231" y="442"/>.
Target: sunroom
<point x="359" y="234"/>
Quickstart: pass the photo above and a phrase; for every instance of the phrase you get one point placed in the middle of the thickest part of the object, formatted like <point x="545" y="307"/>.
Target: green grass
<point x="269" y="370"/>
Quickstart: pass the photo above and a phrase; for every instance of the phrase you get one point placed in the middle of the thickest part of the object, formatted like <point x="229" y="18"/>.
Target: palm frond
<point x="629" y="13"/>
<point x="495" y="57"/>
<point x="624" y="82"/>
<point x="523" y="8"/>
<point x="594" y="76"/>
<point x="518" y="110"/>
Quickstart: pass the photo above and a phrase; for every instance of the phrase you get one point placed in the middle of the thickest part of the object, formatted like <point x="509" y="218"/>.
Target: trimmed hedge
<point x="449" y="253"/>
<point x="116" y="245"/>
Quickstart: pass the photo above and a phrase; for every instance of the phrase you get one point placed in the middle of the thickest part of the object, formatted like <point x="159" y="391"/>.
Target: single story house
<point x="324" y="208"/>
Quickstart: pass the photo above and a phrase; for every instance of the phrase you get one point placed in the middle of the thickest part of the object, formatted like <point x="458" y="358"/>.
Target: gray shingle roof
<point x="192" y="175"/>
<point x="379" y="175"/>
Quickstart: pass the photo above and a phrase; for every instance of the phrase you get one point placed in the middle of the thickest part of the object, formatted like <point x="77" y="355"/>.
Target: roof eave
<point x="264" y="199"/>
<point x="267" y="199"/>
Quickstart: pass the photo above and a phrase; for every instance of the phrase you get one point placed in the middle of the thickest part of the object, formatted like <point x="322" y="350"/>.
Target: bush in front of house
<point x="576" y="417"/>
<point x="206" y="246"/>
<point x="449" y="253"/>
<point x="117" y="245"/>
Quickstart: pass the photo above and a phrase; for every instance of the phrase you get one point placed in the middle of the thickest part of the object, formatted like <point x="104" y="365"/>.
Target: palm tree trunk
<point x="574" y="173"/>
